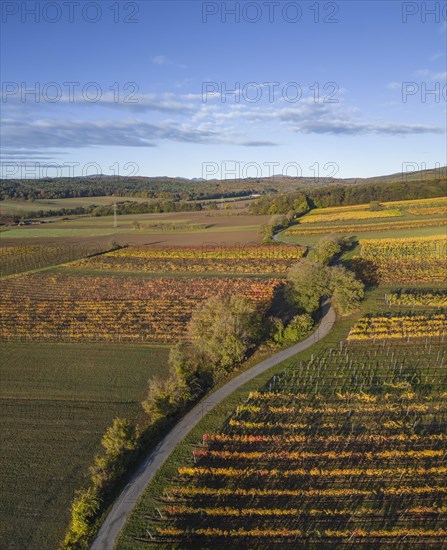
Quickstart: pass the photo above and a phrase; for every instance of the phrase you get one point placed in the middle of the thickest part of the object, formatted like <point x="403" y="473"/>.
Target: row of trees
<point x="321" y="192"/>
<point x="312" y="281"/>
<point x="120" y="445"/>
<point x="222" y="331"/>
<point x="316" y="277"/>
<point x="345" y="195"/>
<point x="279" y="222"/>
<point x="153" y="207"/>
<point x="127" y="186"/>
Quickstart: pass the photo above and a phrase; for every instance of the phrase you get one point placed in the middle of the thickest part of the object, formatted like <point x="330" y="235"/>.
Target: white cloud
<point x="193" y="121"/>
<point x="164" y="60"/>
<point x="76" y="134"/>
<point x="394" y="85"/>
<point x="160" y="60"/>
<point x="430" y="75"/>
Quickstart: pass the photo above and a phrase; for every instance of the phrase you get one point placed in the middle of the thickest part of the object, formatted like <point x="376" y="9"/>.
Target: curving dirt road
<point x="114" y="522"/>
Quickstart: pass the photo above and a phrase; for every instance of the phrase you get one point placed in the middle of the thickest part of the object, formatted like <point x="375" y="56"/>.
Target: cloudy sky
<point x="223" y="89"/>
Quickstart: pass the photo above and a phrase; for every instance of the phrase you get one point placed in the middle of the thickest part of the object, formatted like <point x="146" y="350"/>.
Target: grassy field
<point x="56" y="402"/>
<point x="228" y="226"/>
<point x="57" y="231"/>
<point x="9" y="207"/>
<point x="18" y="206"/>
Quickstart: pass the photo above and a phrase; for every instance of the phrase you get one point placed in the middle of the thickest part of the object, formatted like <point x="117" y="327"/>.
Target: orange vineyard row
<point x="207" y="259"/>
<point x="112" y="308"/>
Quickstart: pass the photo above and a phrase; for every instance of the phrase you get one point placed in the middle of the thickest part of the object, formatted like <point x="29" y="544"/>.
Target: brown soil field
<point x="218" y="227"/>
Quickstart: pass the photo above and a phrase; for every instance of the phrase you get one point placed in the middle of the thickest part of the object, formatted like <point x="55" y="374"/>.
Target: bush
<point x="83" y="512"/>
<point x="328" y="248"/>
<point x="223" y="328"/>
<point x="347" y="291"/>
<point x="166" y="397"/>
<point x="120" y="437"/>
<point x="298" y="327"/>
<point x="276" y="330"/>
<point x="267" y="231"/>
<point x="308" y="283"/>
<point x="375" y="206"/>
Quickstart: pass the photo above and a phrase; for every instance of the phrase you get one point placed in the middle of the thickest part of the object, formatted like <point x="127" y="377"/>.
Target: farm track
<point x="114" y="522"/>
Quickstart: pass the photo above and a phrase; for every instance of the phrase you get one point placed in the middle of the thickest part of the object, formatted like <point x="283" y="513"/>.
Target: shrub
<point x="83" y="511"/>
<point x="309" y="282"/>
<point x="276" y="330"/>
<point x="224" y="328"/>
<point x="347" y="291"/>
<point x="166" y="397"/>
<point x="120" y="437"/>
<point x="298" y="327"/>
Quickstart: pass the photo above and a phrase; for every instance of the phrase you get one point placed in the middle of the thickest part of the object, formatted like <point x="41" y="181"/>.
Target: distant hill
<point x="179" y="188"/>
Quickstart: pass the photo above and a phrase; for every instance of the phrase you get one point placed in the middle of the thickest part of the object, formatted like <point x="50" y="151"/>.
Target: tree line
<point x="325" y="191"/>
<point x="346" y="195"/>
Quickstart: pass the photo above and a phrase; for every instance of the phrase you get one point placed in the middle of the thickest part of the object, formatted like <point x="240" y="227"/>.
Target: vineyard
<point x="417" y="259"/>
<point x="428" y="211"/>
<point x="316" y="216"/>
<point x="17" y="259"/>
<point x="365" y="227"/>
<point x="417" y="298"/>
<point x="77" y="308"/>
<point x="405" y="325"/>
<point x="419" y="203"/>
<point x="206" y="259"/>
<point x="347" y="447"/>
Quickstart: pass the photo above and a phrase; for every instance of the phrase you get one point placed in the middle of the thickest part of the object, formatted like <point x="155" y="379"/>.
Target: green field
<point x="56" y="231"/>
<point x="17" y="206"/>
<point x="124" y="220"/>
<point x="59" y="231"/>
<point x="56" y="402"/>
<point x="10" y="207"/>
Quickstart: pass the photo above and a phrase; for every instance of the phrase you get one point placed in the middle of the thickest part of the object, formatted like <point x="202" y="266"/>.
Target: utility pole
<point x="115" y="222"/>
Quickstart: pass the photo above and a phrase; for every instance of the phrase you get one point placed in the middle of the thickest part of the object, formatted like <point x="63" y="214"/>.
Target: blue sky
<point x="327" y="88"/>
